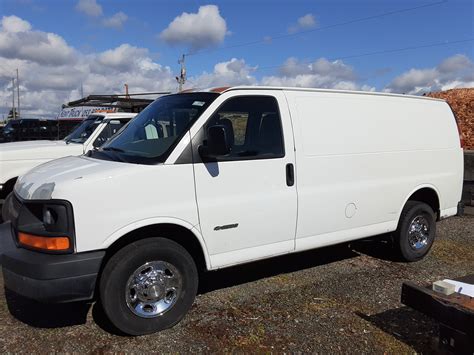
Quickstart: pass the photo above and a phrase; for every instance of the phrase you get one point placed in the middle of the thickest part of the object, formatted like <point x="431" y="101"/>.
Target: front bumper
<point x="47" y="277"/>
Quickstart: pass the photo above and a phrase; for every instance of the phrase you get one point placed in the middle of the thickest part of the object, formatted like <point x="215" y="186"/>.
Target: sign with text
<point x="81" y="112"/>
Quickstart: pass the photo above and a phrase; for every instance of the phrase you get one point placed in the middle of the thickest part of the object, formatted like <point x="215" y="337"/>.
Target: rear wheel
<point x="148" y="286"/>
<point x="416" y="231"/>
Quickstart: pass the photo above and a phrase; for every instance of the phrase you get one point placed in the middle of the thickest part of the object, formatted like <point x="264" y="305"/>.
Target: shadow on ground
<point x="379" y="247"/>
<point x="43" y="315"/>
<point x="237" y="275"/>
<point x="62" y="315"/>
<point x="408" y="326"/>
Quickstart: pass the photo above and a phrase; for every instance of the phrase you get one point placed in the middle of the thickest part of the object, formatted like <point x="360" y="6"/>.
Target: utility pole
<point x="181" y="79"/>
<point x="18" y="91"/>
<point x="82" y="91"/>
<point x="13" y="99"/>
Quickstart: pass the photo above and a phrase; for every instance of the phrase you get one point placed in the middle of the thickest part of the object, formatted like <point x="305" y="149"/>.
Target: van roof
<point x="221" y="90"/>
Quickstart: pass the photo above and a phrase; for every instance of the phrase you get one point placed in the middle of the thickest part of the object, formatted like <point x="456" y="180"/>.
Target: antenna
<point x="181" y="79"/>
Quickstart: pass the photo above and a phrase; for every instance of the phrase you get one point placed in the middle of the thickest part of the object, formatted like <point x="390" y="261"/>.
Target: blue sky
<point x="93" y="29"/>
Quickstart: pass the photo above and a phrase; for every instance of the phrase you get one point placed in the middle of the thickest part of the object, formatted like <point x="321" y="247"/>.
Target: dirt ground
<point x="338" y="299"/>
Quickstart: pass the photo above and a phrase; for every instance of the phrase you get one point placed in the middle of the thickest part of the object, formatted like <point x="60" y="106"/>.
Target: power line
<point x="384" y="51"/>
<point x="339" y="24"/>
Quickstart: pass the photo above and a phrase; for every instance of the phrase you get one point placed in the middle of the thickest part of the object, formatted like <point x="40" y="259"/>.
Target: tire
<point x="161" y="271"/>
<point x="419" y="217"/>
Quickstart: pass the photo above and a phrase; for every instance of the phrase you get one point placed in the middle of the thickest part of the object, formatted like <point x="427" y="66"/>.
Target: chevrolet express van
<point x="16" y="158"/>
<point x="205" y="180"/>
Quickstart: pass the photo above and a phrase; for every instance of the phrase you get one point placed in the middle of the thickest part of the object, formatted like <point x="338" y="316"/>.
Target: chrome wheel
<point x="418" y="233"/>
<point x="153" y="289"/>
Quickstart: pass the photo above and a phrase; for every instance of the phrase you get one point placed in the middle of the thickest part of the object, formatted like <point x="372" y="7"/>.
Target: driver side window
<point x="109" y="130"/>
<point x="253" y="127"/>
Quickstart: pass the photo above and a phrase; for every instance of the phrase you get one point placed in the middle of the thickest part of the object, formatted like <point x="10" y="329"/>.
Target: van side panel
<point x="359" y="157"/>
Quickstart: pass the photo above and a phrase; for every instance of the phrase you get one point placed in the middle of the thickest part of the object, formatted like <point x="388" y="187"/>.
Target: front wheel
<point x="148" y="286"/>
<point x="416" y="231"/>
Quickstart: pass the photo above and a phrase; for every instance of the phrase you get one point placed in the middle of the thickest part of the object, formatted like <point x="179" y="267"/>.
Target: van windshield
<point x="150" y="137"/>
<point x="84" y="130"/>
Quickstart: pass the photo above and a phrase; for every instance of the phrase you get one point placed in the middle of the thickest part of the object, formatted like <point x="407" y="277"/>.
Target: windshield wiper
<point x="114" y="149"/>
<point x="72" y="140"/>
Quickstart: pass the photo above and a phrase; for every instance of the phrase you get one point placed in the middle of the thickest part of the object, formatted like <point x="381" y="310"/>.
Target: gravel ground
<point x="336" y="299"/>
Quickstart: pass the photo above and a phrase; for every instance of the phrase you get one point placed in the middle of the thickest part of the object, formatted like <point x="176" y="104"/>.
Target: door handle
<point x="290" y="174"/>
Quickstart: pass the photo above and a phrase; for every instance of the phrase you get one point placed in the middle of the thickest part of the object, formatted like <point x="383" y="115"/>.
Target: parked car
<point x="29" y="129"/>
<point x="18" y="157"/>
<point x="202" y="181"/>
<point x="66" y="127"/>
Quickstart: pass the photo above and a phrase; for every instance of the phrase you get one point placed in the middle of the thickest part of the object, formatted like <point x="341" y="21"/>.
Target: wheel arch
<point x="177" y="230"/>
<point x="8" y="187"/>
<point x="426" y="193"/>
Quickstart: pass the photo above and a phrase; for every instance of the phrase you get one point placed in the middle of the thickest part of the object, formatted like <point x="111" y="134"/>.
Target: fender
<point x="419" y="187"/>
<point x="15" y="168"/>
<point x="154" y="221"/>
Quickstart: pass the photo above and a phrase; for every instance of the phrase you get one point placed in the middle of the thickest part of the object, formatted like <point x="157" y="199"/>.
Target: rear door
<point x="247" y="203"/>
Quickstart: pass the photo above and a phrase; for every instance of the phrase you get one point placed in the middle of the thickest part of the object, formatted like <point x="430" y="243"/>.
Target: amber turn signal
<point x="45" y="243"/>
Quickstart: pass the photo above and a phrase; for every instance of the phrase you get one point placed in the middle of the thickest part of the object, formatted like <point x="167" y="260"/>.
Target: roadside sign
<point x="81" y="112"/>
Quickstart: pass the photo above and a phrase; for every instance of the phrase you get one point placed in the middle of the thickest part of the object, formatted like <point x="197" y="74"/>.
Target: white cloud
<point x="305" y="22"/>
<point x="337" y="68"/>
<point x="453" y="72"/>
<point x="199" y="30"/>
<point x="51" y="72"/>
<point x="321" y="73"/>
<point x="89" y="7"/>
<point x="93" y="9"/>
<point x="115" y="21"/>
<point x="455" y="63"/>
<point x="17" y="40"/>
<point x="14" y="24"/>
<point x="123" y="58"/>
<point x="230" y="73"/>
<point x="292" y="67"/>
<point x="414" y="78"/>
<point x="45" y="88"/>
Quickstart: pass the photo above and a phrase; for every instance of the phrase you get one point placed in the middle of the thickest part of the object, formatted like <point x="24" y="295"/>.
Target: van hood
<point x="32" y="150"/>
<point x="54" y="178"/>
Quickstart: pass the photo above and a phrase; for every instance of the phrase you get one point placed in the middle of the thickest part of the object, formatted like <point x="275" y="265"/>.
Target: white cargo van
<point x="18" y="157"/>
<point x="206" y="180"/>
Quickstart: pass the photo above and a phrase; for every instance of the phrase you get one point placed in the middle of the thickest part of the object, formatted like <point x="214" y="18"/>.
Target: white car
<point x="205" y="180"/>
<point x="18" y="157"/>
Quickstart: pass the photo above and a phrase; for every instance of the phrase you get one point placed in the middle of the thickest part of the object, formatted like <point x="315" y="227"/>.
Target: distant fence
<point x="469" y="165"/>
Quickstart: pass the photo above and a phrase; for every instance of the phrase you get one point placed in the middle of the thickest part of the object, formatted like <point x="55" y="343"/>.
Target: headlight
<point x="46" y="225"/>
